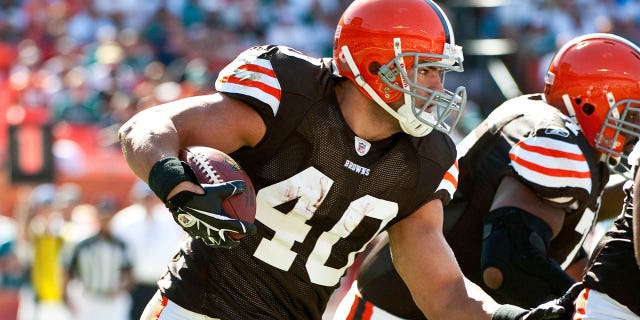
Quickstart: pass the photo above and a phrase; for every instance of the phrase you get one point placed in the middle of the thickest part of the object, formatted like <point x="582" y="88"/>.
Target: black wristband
<point x="508" y="312"/>
<point x="166" y="174"/>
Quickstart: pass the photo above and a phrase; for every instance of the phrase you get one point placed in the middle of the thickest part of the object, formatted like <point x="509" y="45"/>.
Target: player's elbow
<point x="125" y="130"/>
<point x="492" y="277"/>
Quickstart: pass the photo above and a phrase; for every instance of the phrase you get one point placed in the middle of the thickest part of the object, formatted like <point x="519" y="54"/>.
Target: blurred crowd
<point x="97" y="62"/>
<point x="537" y="28"/>
<point x="62" y="258"/>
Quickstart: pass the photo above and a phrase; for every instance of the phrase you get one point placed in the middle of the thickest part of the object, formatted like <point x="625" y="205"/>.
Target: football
<point x="213" y="166"/>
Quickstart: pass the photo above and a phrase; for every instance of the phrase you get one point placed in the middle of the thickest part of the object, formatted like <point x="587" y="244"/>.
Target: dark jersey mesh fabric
<point x="484" y="161"/>
<point x="319" y="201"/>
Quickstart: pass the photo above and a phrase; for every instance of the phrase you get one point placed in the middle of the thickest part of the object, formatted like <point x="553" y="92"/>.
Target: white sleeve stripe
<point x="263" y="63"/>
<point x="553" y="144"/>
<point x="257" y="76"/>
<point x="447" y="186"/>
<point x="551" y="162"/>
<point x="551" y="153"/>
<point x="551" y="181"/>
<point x="260" y="85"/>
<point x="449" y="181"/>
<point x="239" y="62"/>
<point x="272" y="101"/>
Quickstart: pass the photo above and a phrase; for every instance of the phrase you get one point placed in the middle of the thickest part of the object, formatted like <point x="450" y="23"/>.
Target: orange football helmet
<point x="596" y="77"/>
<point x="377" y="41"/>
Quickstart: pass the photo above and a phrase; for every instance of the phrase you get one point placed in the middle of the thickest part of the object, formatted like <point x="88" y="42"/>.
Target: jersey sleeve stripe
<point x="270" y="100"/>
<point x="552" y="152"/>
<point x="254" y="78"/>
<point x="450" y="180"/>
<point x="552" y="181"/>
<point x="551" y="163"/>
<point x="259" y="67"/>
<point x="549" y="171"/>
<point x="550" y="156"/>
<point x="248" y="82"/>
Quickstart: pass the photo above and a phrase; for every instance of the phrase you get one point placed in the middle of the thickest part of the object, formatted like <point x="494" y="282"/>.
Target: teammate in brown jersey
<point x="612" y="276"/>
<point x="530" y="181"/>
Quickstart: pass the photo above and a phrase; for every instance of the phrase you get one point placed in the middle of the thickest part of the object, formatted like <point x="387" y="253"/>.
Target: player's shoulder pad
<point x="553" y="162"/>
<point x="266" y="74"/>
<point x="436" y="146"/>
<point x="532" y="106"/>
<point x="438" y="151"/>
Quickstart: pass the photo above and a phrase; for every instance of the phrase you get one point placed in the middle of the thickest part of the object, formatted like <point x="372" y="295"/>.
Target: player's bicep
<point x="514" y="193"/>
<point x="220" y="122"/>
<point x="209" y="120"/>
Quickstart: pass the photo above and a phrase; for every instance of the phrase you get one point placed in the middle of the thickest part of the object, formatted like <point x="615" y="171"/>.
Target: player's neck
<point x="365" y="118"/>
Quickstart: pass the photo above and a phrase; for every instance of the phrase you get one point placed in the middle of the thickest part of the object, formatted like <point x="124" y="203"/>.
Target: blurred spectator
<point x="84" y="25"/>
<point x="43" y="227"/>
<point x="12" y="272"/>
<point x="152" y="237"/>
<point x="67" y="197"/>
<point x="541" y="26"/>
<point x="101" y="266"/>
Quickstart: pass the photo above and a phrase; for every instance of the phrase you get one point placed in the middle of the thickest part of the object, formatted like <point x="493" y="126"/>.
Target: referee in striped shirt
<point x="101" y="264"/>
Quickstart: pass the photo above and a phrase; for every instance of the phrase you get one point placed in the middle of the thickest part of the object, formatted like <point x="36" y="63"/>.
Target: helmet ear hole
<point x="374" y="67"/>
<point x="588" y="109"/>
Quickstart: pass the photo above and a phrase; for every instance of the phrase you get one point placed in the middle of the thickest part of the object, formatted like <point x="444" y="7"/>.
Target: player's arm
<point x="576" y="269"/>
<point x="215" y="120"/>
<point x="427" y="265"/>
<point x="517" y="232"/>
<point x="151" y="141"/>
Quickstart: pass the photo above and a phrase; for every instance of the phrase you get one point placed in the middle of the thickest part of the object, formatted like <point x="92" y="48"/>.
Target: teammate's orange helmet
<point x="377" y="41"/>
<point x="597" y="78"/>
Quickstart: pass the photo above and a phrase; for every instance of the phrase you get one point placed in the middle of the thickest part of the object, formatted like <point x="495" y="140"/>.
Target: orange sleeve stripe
<point x="368" y="311"/>
<point x="449" y="177"/>
<point x="254" y="84"/>
<point x="549" y="171"/>
<point x="258" y="69"/>
<point x="158" y="309"/>
<point x="552" y="152"/>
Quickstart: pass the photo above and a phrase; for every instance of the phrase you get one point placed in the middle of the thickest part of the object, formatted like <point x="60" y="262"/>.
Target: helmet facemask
<point x="422" y="109"/>
<point x="618" y="135"/>
<point x="421" y="105"/>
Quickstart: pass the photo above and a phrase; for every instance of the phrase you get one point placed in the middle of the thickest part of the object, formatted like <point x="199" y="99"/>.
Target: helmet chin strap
<point x="404" y="115"/>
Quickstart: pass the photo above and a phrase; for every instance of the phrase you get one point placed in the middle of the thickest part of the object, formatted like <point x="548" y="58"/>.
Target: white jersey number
<point x="310" y="188"/>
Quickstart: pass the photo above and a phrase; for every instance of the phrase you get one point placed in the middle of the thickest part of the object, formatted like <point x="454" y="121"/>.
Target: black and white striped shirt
<point x="99" y="263"/>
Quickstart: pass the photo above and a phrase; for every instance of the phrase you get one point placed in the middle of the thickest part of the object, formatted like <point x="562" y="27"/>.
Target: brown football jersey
<point x="322" y="194"/>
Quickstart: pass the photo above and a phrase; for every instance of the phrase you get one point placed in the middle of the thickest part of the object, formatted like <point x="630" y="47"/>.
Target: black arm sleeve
<point x="516" y="242"/>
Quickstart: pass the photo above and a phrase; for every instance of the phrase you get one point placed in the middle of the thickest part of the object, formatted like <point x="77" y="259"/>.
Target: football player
<point x="613" y="271"/>
<point x="339" y="149"/>
<point x="530" y="181"/>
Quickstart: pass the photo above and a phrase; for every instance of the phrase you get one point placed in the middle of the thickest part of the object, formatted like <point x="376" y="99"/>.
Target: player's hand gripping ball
<point x="228" y="206"/>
